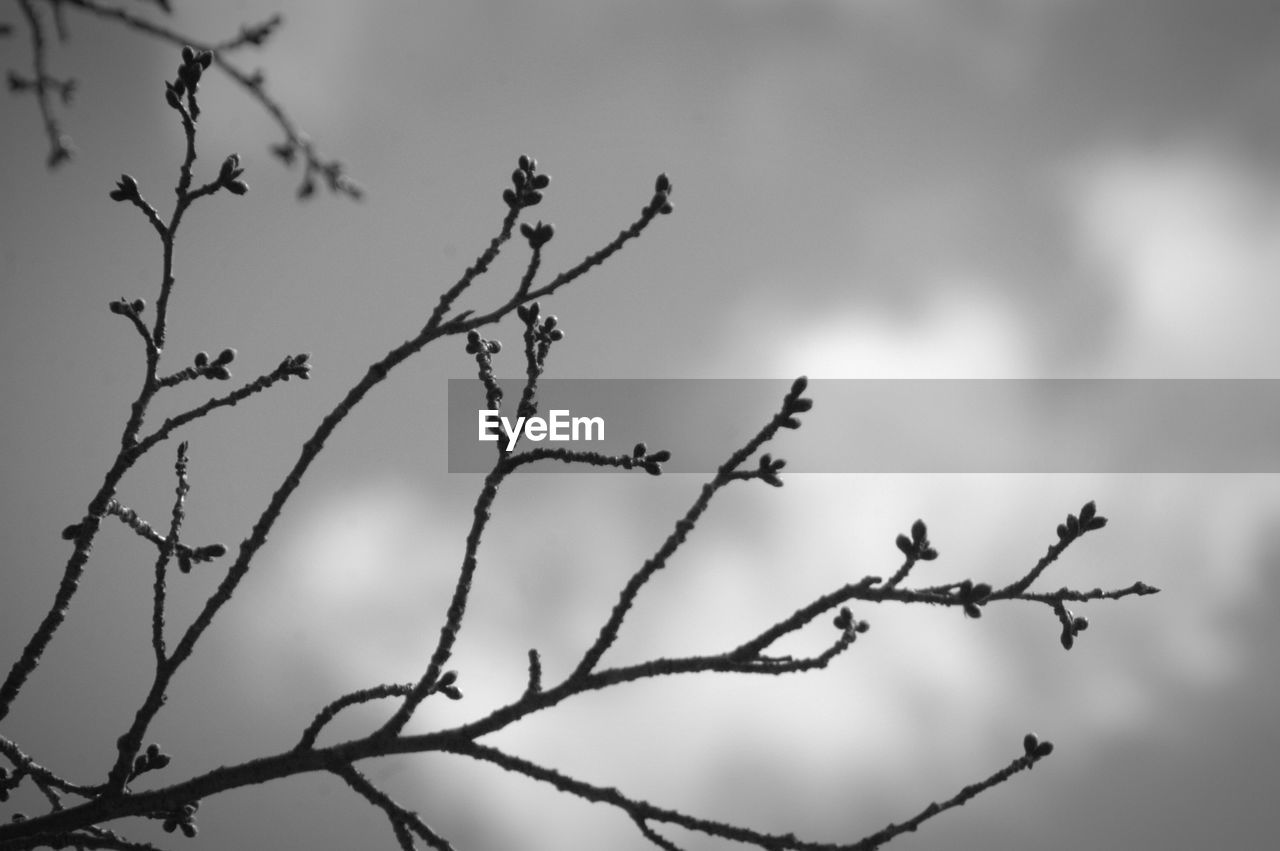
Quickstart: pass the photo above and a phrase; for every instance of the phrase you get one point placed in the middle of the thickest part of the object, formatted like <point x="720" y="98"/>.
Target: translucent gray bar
<point x="905" y="426"/>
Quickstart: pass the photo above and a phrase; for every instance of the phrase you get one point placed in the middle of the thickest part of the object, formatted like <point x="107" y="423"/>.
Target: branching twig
<point x="175" y="805"/>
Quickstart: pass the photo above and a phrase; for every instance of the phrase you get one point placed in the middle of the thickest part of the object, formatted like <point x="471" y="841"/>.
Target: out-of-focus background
<point x="920" y="188"/>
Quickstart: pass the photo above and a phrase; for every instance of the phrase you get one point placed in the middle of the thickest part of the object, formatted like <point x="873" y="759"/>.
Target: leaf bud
<point x="919" y="532"/>
<point x="126" y="189"/>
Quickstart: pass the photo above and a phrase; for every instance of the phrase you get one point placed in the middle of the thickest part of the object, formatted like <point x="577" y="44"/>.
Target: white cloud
<point x="1189" y="240"/>
<point x="961" y="332"/>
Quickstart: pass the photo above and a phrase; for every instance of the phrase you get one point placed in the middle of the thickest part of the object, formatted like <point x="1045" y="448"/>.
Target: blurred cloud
<point x="863" y="189"/>
<point x="1188" y="237"/>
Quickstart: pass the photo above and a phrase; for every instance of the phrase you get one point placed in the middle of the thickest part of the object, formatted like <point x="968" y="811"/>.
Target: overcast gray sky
<point x="919" y="188"/>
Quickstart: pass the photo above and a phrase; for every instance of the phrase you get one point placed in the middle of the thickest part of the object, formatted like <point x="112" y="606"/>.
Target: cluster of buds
<point x="479" y="345"/>
<point x="1072" y="626"/>
<point x="151" y="759"/>
<point x="768" y="469"/>
<point x="124" y="307"/>
<point x="448" y="685"/>
<point x="651" y="462"/>
<point x="217" y="368"/>
<point x="917" y="547"/>
<point x="209" y="552"/>
<point x="539" y="234"/>
<point x="661" y="201"/>
<point x="970" y="595"/>
<point x="296" y="366"/>
<point x="1035" y="749"/>
<point x="229" y="176"/>
<point x="126" y="190"/>
<point x="182" y="819"/>
<point x="527" y="185"/>
<point x="1075" y="526"/>
<point x="194" y="64"/>
<point x="539" y="335"/>
<point x="484" y="350"/>
<point x="794" y="403"/>
<point x="845" y="623"/>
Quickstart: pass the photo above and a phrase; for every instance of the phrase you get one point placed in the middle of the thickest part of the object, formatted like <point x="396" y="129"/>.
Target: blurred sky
<point x="867" y="188"/>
